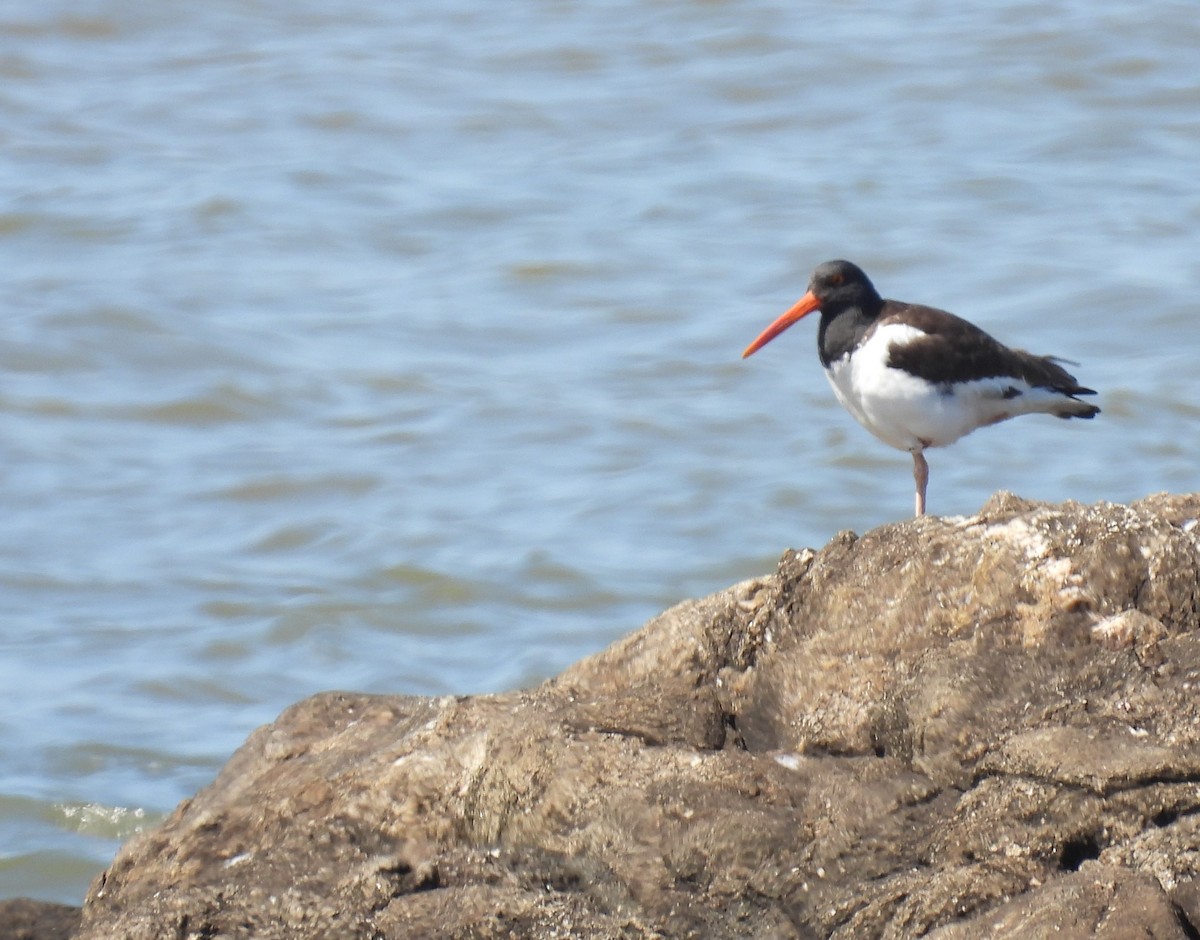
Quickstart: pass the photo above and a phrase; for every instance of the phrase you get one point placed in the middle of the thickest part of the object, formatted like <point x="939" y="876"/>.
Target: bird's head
<point x="834" y="286"/>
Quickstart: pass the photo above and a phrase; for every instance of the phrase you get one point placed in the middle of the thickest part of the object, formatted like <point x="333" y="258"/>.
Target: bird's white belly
<point x="907" y="412"/>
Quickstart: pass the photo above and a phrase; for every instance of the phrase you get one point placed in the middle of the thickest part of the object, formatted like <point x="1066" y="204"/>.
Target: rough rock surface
<point x="23" y="919"/>
<point x="956" y="727"/>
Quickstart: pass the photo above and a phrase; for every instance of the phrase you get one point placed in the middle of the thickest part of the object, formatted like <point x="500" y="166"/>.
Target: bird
<point x="918" y="377"/>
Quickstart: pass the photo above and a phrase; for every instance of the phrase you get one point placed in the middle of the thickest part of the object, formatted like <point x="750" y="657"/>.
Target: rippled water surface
<point x="394" y="347"/>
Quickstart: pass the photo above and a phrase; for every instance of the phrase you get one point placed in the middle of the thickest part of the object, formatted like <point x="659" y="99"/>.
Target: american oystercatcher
<point x="917" y="377"/>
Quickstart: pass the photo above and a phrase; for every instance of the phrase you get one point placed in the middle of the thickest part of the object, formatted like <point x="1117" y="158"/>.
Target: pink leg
<point x="921" y="475"/>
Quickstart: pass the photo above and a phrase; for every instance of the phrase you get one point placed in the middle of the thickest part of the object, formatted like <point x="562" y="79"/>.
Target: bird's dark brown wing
<point x="954" y="350"/>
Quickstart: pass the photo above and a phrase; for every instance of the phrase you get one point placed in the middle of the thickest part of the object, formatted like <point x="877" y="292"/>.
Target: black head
<point x="837" y="285"/>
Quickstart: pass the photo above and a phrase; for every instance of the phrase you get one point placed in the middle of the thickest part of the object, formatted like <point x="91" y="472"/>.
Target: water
<point x="394" y="347"/>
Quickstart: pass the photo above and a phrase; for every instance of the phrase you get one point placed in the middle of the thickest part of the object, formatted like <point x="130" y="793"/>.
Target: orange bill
<point x="802" y="308"/>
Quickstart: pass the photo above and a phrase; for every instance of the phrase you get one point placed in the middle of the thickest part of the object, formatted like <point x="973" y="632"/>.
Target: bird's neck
<point x="842" y="329"/>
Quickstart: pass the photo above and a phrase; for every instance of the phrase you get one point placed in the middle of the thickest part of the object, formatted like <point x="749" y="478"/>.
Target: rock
<point x="957" y="727"/>
<point x="1095" y="903"/>
<point x="26" y="919"/>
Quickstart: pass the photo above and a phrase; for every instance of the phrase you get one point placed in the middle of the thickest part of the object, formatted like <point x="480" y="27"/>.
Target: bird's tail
<point x="1072" y="407"/>
<point x="1046" y="373"/>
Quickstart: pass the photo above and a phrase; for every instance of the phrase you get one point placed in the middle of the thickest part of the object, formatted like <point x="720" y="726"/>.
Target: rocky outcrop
<point x="952" y="728"/>
<point x="24" y="919"/>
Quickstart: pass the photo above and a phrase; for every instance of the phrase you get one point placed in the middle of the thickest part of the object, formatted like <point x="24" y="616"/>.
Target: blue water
<point x="395" y="348"/>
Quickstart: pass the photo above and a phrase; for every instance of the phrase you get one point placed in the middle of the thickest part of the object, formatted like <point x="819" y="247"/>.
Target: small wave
<point x="105" y="822"/>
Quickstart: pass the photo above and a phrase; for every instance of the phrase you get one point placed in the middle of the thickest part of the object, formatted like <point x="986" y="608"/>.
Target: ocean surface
<point x="395" y="347"/>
